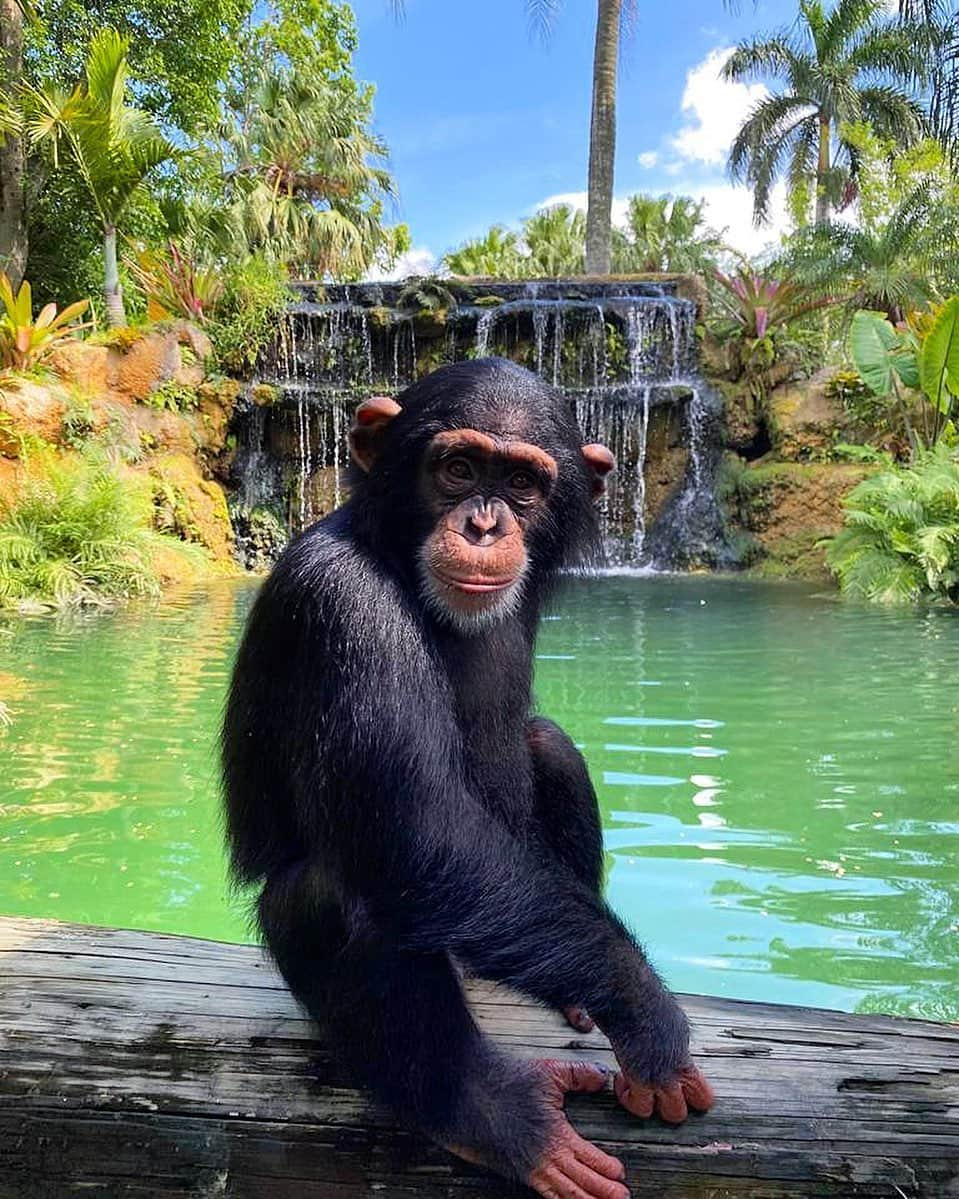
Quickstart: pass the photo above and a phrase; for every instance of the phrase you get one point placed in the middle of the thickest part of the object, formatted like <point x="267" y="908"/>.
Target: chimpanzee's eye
<point x="522" y="480"/>
<point x="460" y="470"/>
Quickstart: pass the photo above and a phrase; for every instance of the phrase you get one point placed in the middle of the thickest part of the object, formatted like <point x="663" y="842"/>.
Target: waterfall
<point x="623" y="353"/>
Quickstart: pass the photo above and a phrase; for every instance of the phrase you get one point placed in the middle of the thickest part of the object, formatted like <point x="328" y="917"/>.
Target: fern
<point x="901" y="540"/>
<point x="80" y="534"/>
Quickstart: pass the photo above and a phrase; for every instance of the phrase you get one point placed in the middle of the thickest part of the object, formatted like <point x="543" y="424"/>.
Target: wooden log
<point x="135" y="1064"/>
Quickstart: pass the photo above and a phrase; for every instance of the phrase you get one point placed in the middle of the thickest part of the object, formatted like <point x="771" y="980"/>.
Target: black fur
<point x="389" y="791"/>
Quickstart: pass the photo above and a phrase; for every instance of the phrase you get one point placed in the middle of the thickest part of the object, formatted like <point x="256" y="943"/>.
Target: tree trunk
<point x="822" y="169"/>
<point x="602" y="138"/>
<point x="112" y="291"/>
<point x="13" y="216"/>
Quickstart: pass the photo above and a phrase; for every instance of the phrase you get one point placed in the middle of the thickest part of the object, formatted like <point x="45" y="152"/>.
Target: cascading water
<point x="624" y="353"/>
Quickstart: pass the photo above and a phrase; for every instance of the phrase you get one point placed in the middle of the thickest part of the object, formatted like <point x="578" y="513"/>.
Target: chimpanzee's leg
<point x="566" y="815"/>
<point x="400" y="1024"/>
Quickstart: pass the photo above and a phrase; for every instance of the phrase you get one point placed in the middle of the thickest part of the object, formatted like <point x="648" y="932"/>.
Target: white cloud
<point x="729" y="206"/>
<point x="715" y="110"/>
<point x="578" y="200"/>
<point x="418" y="260"/>
<point x="648" y="159"/>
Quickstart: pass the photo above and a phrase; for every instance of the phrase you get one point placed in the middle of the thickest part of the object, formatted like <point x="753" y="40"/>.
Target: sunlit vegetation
<point x="80" y="532"/>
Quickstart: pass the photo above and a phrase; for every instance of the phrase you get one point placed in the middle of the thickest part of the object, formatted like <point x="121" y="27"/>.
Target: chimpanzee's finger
<point x="635" y="1098"/>
<point x="699" y="1094"/>
<point x="671" y="1103"/>
<point x="577" y="1076"/>
<point x="591" y="1155"/>
<point x="594" y="1182"/>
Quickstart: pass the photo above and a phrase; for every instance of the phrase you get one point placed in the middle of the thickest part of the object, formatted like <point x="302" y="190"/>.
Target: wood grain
<point x="138" y="1064"/>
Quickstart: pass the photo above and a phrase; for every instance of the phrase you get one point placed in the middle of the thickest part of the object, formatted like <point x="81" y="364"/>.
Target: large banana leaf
<point x="939" y="357"/>
<point x="872" y="341"/>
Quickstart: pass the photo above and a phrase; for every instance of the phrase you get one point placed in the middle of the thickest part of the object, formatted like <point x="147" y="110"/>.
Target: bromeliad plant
<point x="25" y="342"/>
<point x="755" y="313"/>
<point x="175" y="284"/>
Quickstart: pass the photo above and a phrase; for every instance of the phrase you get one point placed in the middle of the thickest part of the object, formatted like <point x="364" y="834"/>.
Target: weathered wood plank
<point x="138" y="1064"/>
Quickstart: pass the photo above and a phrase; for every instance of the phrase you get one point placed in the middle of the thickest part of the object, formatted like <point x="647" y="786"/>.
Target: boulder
<point x="803" y="419"/>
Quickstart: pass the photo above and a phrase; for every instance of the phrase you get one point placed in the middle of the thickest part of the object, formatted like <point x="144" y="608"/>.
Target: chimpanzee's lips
<point x="476" y="584"/>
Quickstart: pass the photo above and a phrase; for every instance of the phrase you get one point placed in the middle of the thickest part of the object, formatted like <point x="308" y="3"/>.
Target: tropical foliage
<point x="274" y="149"/>
<point x="754" y="313"/>
<point x="835" y="67"/>
<point x="79" y="533"/>
<point x="551" y="243"/>
<point x="913" y="366"/>
<point x="113" y="146"/>
<point x="660" y="233"/>
<point x="304" y="177"/>
<point x="901" y="540"/>
<point x="665" y="233"/>
<point x="176" y="284"/>
<point x="25" y="342"/>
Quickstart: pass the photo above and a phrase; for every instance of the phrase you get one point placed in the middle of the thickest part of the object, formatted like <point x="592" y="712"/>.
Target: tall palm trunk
<point x="602" y="138"/>
<point x="822" y="169"/>
<point x="13" y="216"/>
<point x="112" y="291"/>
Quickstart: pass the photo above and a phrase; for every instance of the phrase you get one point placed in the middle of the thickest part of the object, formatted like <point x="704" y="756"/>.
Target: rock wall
<point x="145" y="399"/>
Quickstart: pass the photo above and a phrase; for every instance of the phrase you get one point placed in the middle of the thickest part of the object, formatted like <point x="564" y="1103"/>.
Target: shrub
<point x="79" y="533"/>
<point x="173" y="397"/>
<point x="901" y="539"/>
<point x="255" y="298"/>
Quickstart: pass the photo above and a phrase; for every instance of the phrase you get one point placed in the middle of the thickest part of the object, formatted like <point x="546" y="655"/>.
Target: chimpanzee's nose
<point x="483" y="524"/>
<point x="483" y="520"/>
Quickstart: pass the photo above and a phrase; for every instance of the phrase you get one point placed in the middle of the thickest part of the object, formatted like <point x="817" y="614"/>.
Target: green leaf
<point x="939" y="357"/>
<point x="871" y="341"/>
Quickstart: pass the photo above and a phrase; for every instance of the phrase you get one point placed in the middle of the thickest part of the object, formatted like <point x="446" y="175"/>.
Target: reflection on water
<point x="778" y="775"/>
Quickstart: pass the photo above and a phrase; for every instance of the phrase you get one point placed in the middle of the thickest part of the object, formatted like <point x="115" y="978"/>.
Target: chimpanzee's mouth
<point x="475" y="584"/>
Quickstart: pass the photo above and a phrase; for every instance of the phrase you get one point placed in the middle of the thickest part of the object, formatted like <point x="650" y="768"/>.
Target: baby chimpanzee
<point x="401" y="808"/>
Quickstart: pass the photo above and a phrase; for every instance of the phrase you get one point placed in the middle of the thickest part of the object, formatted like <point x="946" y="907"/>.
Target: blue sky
<point x="484" y="122"/>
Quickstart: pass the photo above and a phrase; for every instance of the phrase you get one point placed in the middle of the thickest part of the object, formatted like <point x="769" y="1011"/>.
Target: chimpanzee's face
<point x="486" y="495"/>
<point x="481" y="497"/>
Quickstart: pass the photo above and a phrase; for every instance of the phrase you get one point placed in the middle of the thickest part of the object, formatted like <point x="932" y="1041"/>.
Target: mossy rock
<point x="379" y="316"/>
<point x="190" y="506"/>
<point x="264" y="395"/>
<point x="788" y="509"/>
<point x="488" y="301"/>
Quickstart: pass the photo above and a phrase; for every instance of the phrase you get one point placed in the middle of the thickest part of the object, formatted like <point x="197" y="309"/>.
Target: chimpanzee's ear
<point x="371" y="418"/>
<point x="600" y="462"/>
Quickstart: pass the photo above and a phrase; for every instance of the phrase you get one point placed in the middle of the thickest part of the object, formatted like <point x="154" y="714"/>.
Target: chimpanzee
<point x="406" y="816"/>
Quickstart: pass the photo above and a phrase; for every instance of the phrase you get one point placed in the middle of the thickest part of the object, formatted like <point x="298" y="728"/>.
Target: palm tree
<point x="555" y="242"/>
<point x="13" y="218"/>
<point x="940" y="19"/>
<point x="602" y="138"/>
<point x="610" y="17"/>
<point x="888" y="267"/>
<point x="495" y="255"/>
<point x="665" y="233"/>
<point x="846" y="65"/>
<point x="305" y="179"/>
<point x="113" y="146"/>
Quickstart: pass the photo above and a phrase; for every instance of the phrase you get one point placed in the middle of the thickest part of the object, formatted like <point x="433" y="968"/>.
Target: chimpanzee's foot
<point x="579" y="1018"/>
<point x="571" y="1167"/>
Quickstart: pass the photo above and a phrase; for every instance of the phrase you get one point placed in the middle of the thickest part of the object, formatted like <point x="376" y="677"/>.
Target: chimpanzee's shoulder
<point x="326" y="576"/>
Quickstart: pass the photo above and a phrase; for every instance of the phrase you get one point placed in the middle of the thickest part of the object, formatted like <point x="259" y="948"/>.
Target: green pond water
<point x="778" y="771"/>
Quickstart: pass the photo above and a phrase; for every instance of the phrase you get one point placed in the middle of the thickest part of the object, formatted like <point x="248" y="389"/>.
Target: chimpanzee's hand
<point x="673" y="1101"/>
